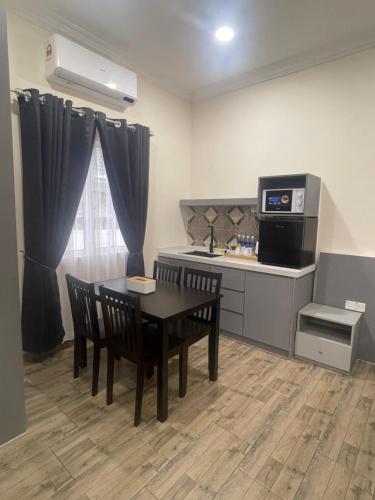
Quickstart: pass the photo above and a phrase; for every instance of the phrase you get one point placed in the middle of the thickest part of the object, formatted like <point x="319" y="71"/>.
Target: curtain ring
<point x="24" y="93"/>
<point x="80" y="112"/>
<point x="42" y="99"/>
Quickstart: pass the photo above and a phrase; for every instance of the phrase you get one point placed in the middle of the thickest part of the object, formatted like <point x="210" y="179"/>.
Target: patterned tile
<point x="227" y="222"/>
<point x="232" y="240"/>
<point x="220" y="222"/>
<point x="195" y="225"/>
<point x="207" y="239"/>
<point x="211" y="215"/>
<point x="229" y="226"/>
<point x="200" y="210"/>
<point x="190" y="238"/>
<point x="190" y="214"/>
<point x="236" y="215"/>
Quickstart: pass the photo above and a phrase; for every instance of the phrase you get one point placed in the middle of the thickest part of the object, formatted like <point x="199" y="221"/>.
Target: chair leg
<point x="183" y="361"/>
<point x="77" y="352"/>
<point x="139" y="394"/>
<point x="95" y="370"/>
<point x="110" y="374"/>
<point x="83" y="352"/>
<point x="149" y="371"/>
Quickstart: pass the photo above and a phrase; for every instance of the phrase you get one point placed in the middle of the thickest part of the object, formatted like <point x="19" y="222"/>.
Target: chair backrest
<point x="122" y="321"/>
<point x="167" y="272"/>
<point x="206" y="282"/>
<point x="83" y="306"/>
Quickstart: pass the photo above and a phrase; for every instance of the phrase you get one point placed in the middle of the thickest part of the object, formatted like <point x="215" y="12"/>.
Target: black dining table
<point x="168" y="304"/>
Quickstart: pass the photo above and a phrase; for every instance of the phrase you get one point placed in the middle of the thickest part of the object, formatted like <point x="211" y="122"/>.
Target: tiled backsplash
<point x="227" y="222"/>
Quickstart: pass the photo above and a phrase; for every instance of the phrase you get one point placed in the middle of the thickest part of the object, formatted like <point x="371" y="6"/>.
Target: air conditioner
<point x="70" y="65"/>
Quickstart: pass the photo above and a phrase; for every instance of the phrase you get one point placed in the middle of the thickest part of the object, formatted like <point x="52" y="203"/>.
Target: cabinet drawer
<point x="232" y="278"/>
<point x="195" y="265"/>
<point x="173" y="262"/>
<point x="231" y="322"/>
<point x="323" y="350"/>
<point x="232" y="301"/>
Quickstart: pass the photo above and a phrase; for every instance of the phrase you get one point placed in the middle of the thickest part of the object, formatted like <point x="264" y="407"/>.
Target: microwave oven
<point x="289" y="200"/>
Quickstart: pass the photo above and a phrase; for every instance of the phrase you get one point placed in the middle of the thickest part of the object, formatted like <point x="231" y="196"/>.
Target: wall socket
<point x="355" y="306"/>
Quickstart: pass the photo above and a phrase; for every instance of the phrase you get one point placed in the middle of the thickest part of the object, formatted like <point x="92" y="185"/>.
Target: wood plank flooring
<point x="270" y="428"/>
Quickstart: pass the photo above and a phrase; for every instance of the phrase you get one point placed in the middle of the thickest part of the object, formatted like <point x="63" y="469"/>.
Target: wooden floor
<point x="268" y="429"/>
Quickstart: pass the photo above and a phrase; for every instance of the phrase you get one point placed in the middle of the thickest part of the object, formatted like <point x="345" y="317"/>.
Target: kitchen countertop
<point x="224" y="261"/>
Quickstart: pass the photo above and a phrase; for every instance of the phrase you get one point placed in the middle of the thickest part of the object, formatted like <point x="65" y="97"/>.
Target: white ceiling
<point x="171" y="41"/>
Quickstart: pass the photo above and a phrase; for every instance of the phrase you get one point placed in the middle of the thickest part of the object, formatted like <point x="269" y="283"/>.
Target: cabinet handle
<point x="320" y="352"/>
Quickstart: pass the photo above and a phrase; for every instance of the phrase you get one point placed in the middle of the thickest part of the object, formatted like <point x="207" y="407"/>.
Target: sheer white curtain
<point x="96" y="250"/>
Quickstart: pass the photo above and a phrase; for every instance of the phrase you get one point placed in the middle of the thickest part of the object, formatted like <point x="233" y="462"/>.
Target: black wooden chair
<point x="86" y="326"/>
<point x="202" y="322"/>
<point x="131" y="338"/>
<point x="167" y="273"/>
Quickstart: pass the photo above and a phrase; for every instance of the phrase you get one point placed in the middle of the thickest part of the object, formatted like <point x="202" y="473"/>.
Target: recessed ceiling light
<point x="224" y="34"/>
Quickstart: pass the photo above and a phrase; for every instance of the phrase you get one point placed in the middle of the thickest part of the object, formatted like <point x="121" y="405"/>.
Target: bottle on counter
<point x="252" y="245"/>
<point x="247" y="245"/>
<point x="242" y="244"/>
<point x="238" y="245"/>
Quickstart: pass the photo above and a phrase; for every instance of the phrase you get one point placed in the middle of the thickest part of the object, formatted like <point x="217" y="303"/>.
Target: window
<point x="96" y="250"/>
<point x="95" y="231"/>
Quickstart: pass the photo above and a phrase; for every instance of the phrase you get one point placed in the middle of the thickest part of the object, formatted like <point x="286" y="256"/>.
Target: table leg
<point x="163" y="375"/>
<point x="213" y="344"/>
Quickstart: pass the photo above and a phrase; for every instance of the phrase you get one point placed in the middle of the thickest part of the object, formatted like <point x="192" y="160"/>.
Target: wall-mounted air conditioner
<point x="71" y="65"/>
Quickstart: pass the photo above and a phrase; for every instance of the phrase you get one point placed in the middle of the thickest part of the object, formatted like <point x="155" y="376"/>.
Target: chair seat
<point x="193" y="329"/>
<point x="153" y="341"/>
<point x="152" y="344"/>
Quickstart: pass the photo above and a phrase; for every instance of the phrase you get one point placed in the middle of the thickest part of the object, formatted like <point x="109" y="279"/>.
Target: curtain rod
<point x="81" y="112"/>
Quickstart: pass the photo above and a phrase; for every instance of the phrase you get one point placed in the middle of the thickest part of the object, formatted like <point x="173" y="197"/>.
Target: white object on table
<point x="140" y="284"/>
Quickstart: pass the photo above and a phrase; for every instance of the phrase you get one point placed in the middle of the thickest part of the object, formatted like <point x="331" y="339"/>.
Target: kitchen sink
<point x="200" y="253"/>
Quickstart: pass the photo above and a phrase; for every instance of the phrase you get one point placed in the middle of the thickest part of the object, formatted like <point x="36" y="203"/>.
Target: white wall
<point x="320" y="121"/>
<point x="168" y="116"/>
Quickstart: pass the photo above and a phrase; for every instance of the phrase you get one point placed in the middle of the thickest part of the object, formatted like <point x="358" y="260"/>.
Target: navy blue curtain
<point x="56" y="149"/>
<point x="126" y="153"/>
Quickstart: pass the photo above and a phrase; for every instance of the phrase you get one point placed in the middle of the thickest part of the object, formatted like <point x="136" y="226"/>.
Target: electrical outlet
<point x="355" y="306"/>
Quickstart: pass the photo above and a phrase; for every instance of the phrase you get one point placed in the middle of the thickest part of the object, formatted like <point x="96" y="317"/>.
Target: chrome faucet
<point x="211" y="246"/>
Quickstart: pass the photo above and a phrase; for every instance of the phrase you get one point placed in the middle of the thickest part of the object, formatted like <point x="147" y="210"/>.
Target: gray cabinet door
<point x="233" y="279"/>
<point x="268" y="305"/>
<point x="232" y="300"/>
<point x="231" y="322"/>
